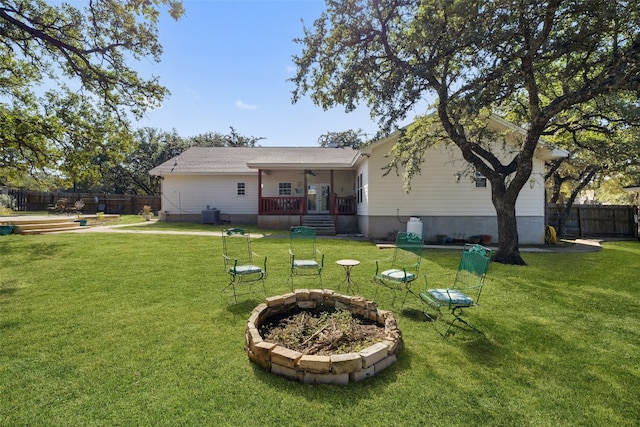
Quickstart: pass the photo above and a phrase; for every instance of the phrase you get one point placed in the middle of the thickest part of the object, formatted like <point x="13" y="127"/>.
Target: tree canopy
<point x="538" y="61"/>
<point x="67" y="83"/>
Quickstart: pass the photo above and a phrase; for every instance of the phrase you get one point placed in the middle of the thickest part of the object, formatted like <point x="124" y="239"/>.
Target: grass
<point x="131" y="329"/>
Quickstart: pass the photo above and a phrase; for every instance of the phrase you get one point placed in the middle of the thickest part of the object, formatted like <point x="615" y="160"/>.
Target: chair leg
<point x="456" y="314"/>
<point x="233" y="288"/>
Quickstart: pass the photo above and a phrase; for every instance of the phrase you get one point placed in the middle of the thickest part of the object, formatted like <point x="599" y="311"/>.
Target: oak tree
<point x="540" y="59"/>
<point x="57" y="57"/>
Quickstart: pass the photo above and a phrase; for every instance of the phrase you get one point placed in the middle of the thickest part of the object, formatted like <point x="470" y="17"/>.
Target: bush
<point x="7" y="204"/>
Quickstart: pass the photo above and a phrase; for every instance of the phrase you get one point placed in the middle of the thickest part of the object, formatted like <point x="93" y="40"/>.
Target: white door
<point x="318" y="198"/>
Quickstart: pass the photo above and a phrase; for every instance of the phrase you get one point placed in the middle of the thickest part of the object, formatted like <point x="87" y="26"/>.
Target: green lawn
<point x="131" y="329"/>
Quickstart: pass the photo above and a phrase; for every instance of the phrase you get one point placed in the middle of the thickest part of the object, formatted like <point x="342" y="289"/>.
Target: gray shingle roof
<point x="245" y="160"/>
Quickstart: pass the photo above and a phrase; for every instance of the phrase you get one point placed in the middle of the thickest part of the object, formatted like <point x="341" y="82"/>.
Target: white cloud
<point x="244" y="106"/>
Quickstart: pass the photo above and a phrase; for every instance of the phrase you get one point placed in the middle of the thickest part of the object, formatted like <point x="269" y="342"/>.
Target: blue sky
<point x="226" y="64"/>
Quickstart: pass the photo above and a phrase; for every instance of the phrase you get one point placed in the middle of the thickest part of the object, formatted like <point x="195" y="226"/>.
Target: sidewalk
<point x="577" y="245"/>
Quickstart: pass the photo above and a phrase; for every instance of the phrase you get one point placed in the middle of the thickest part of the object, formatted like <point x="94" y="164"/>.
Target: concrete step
<point x="324" y="224"/>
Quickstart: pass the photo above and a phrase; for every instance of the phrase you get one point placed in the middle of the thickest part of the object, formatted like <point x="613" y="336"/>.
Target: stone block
<point x="385" y="363"/>
<point x="265" y="364"/>
<point x="359" y="302"/>
<point x="316" y="294"/>
<point x="382" y="315"/>
<point x="290" y="298"/>
<point x="254" y="335"/>
<point x="362" y="374"/>
<point x="285" y="357"/>
<point x="274" y="301"/>
<point x="287" y="372"/>
<point x="345" y="299"/>
<point x="262" y="350"/>
<point x="315" y="364"/>
<point x="308" y="304"/>
<point x="393" y="345"/>
<point x="302" y="294"/>
<point x="258" y="314"/>
<point x="349" y="362"/>
<point x="373" y="354"/>
<point x="339" y="379"/>
<point x="342" y="306"/>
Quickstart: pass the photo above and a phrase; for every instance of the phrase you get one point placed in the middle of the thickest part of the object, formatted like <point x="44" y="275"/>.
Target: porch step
<point x="41" y="225"/>
<point x="324" y="224"/>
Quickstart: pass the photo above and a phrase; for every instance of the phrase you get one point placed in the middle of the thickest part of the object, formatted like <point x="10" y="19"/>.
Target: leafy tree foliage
<point x="66" y="88"/>
<point x="540" y="60"/>
<point x="215" y="139"/>
<point x="349" y="138"/>
<point x="603" y="140"/>
<point x="152" y="147"/>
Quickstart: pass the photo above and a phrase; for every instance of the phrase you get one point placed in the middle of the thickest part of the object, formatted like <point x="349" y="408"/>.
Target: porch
<point x="290" y="205"/>
<point x="283" y="212"/>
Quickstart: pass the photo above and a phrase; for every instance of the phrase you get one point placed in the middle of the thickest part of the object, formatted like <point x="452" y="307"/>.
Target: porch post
<point x="332" y="199"/>
<point x="259" y="191"/>
<point x="304" y="191"/>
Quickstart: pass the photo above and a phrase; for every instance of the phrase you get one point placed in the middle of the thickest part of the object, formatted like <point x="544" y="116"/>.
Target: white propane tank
<point x="415" y="226"/>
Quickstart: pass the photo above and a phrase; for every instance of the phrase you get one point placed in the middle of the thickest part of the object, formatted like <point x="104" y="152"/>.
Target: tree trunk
<point x="508" y="251"/>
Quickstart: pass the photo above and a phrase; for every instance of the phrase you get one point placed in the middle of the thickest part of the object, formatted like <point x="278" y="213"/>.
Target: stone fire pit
<point x="333" y="369"/>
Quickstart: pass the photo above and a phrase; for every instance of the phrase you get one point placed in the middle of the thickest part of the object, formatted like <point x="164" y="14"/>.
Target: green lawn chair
<point x="304" y="257"/>
<point x="398" y="273"/>
<point x="239" y="262"/>
<point x="466" y="289"/>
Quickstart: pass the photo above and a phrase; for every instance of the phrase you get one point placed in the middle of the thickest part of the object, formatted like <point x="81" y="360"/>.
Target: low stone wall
<point x="334" y="369"/>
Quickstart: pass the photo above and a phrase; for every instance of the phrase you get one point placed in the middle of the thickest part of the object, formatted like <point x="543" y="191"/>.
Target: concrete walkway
<point x="578" y="245"/>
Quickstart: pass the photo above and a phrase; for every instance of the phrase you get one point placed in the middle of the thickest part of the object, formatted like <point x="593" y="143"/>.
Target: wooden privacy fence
<point x="126" y="204"/>
<point x="596" y="220"/>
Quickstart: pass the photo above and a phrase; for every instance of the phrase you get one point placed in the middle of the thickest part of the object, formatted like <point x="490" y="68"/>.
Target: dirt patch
<point x="322" y="332"/>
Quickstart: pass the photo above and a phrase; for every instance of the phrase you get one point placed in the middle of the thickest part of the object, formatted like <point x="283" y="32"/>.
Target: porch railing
<point x="345" y="205"/>
<point x="281" y="205"/>
<point x="285" y="205"/>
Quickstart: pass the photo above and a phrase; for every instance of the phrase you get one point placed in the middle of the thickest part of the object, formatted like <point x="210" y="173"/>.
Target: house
<point x="345" y="189"/>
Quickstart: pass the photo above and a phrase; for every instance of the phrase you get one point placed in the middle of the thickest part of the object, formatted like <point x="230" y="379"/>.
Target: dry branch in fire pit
<point x="323" y="332"/>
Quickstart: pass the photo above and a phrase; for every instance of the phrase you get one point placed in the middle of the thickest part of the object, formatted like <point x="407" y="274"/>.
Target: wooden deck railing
<point x="281" y="205"/>
<point x="285" y="205"/>
<point x="346" y="205"/>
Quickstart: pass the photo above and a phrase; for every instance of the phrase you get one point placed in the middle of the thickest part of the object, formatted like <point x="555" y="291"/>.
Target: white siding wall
<point x="435" y="192"/>
<point x="271" y="180"/>
<point x="363" y="208"/>
<point x="192" y="194"/>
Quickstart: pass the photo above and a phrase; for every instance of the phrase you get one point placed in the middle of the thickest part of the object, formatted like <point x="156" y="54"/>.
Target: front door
<point x="318" y="198"/>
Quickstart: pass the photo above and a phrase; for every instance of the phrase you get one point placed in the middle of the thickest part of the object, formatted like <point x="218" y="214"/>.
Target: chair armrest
<point x="264" y="261"/>
<point x="228" y="260"/>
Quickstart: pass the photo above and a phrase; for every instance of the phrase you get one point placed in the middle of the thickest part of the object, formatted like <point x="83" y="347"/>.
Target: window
<point x="359" y="188"/>
<point x="241" y="189"/>
<point x="284" y="189"/>
<point x="481" y="180"/>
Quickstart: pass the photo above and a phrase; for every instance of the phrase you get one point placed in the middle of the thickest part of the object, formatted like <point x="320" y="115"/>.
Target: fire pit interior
<point x="334" y="352"/>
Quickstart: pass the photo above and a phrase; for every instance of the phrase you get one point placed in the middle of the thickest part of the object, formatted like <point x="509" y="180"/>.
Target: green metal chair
<point x="466" y="289"/>
<point x="305" y="258"/>
<point x="239" y="262"/>
<point x="398" y="273"/>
